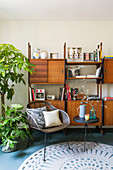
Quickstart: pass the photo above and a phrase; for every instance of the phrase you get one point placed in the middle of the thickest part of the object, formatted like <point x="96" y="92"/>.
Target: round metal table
<point x="82" y="120"/>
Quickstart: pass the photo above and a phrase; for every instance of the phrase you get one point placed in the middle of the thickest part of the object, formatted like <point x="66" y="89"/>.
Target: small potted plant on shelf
<point x="13" y="126"/>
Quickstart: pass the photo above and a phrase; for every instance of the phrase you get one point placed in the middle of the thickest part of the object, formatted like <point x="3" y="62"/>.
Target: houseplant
<point x="12" y="61"/>
<point x="13" y="127"/>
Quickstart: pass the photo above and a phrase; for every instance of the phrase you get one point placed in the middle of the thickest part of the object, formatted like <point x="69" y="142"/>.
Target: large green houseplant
<point x="11" y="62"/>
<point x="13" y="127"/>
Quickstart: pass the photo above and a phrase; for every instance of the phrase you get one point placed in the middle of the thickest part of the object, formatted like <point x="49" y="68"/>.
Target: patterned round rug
<point x="59" y="157"/>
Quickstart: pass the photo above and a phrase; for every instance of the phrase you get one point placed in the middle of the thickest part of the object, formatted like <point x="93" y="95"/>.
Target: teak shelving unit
<point x="52" y="71"/>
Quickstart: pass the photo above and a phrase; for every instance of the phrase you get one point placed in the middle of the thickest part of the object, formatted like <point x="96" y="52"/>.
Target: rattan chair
<point x="34" y="124"/>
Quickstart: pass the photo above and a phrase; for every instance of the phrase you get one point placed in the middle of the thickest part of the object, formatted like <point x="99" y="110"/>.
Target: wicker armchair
<point x="34" y="124"/>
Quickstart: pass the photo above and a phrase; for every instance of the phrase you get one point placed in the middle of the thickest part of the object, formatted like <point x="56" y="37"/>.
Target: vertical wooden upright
<point x="29" y="57"/>
<point x="64" y="50"/>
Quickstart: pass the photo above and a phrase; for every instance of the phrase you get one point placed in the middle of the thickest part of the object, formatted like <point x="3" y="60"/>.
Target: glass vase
<point x="92" y="113"/>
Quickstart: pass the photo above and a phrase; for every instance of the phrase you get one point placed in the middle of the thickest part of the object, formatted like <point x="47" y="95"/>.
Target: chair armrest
<point x="65" y="117"/>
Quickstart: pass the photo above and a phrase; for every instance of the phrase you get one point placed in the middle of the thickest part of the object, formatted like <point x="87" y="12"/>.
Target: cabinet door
<point x="108" y="70"/>
<point x="72" y="111"/>
<point x="58" y="104"/>
<point x="40" y="75"/>
<point x="108" y="112"/>
<point x="56" y="73"/>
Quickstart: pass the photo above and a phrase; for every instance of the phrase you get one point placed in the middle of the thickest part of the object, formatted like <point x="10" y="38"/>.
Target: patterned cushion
<point x="37" y="114"/>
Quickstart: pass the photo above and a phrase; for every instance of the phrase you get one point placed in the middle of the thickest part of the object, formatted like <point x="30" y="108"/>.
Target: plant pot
<point x="9" y="149"/>
<point x="0" y="141"/>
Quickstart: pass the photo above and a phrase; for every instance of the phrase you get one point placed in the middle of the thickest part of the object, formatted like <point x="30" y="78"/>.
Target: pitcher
<point x="82" y="111"/>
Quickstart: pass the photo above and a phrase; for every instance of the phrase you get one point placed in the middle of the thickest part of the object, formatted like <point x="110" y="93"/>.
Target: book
<point x="108" y="98"/>
<point x="108" y="56"/>
<point x="91" y="76"/>
<point x="68" y="92"/>
<point x="82" y="76"/>
<point x="33" y="95"/>
<point x="61" y="93"/>
<point x="74" y="92"/>
<point x="30" y="94"/>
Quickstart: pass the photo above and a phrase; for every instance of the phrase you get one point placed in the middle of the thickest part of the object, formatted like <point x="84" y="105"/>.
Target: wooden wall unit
<point x="108" y="71"/>
<point x="52" y="71"/>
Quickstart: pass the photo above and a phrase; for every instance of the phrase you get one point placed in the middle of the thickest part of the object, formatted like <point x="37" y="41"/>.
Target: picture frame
<point x="91" y="56"/>
<point x="86" y="57"/>
<point x="53" y="55"/>
<point x="40" y="94"/>
<point x="74" y="53"/>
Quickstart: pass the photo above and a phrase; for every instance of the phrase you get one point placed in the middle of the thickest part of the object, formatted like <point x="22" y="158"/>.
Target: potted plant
<point x="13" y="127"/>
<point x="12" y="61"/>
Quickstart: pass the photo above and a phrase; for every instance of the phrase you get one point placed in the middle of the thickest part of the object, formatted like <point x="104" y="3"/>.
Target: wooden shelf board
<point x="84" y="63"/>
<point x="49" y="100"/>
<point x="46" y="83"/>
<point x="48" y="59"/>
<point x="73" y="78"/>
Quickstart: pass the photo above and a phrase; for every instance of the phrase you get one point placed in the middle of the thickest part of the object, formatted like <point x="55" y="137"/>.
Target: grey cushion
<point x="37" y="114"/>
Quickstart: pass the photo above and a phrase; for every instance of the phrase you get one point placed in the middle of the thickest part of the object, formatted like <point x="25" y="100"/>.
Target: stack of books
<point x="108" y="98"/>
<point x="71" y="93"/>
<point x="108" y="57"/>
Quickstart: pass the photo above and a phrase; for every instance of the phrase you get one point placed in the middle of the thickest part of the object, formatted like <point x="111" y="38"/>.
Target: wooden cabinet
<point x="108" y="70"/>
<point x="40" y="75"/>
<point x="72" y="110"/>
<point x="56" y="71"/>
<point x="48" y="71"/>
<point x="108" y="113"/>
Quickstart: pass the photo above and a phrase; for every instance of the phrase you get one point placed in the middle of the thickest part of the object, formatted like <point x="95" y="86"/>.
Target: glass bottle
<point x="98" y="59"/>
<point x="100" y="52"/>
<point x="92" y="113"/>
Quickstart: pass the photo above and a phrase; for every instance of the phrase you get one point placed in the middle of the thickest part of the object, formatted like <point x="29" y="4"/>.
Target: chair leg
<point x="66" y="139"/>
<point x="44" y="146"/>
<point x="29" y="137"/>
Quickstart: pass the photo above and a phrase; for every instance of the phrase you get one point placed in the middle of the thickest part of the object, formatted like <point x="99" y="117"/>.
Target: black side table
<point x="82" y="120"/>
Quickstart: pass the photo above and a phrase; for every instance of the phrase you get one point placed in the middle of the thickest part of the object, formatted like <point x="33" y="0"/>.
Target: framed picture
<point x="54" y="55"/>
<point x="75" y="53"/>
<point x="91" y="55"/>
<point x="86" y="57"/>
<point x="40" y="94"/>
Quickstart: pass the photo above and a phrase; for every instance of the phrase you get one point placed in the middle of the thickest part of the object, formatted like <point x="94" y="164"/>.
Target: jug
<point x="82" y="111"/>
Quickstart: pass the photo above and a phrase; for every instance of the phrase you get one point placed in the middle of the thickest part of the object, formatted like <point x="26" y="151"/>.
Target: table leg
<point x="85" y="136"/>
